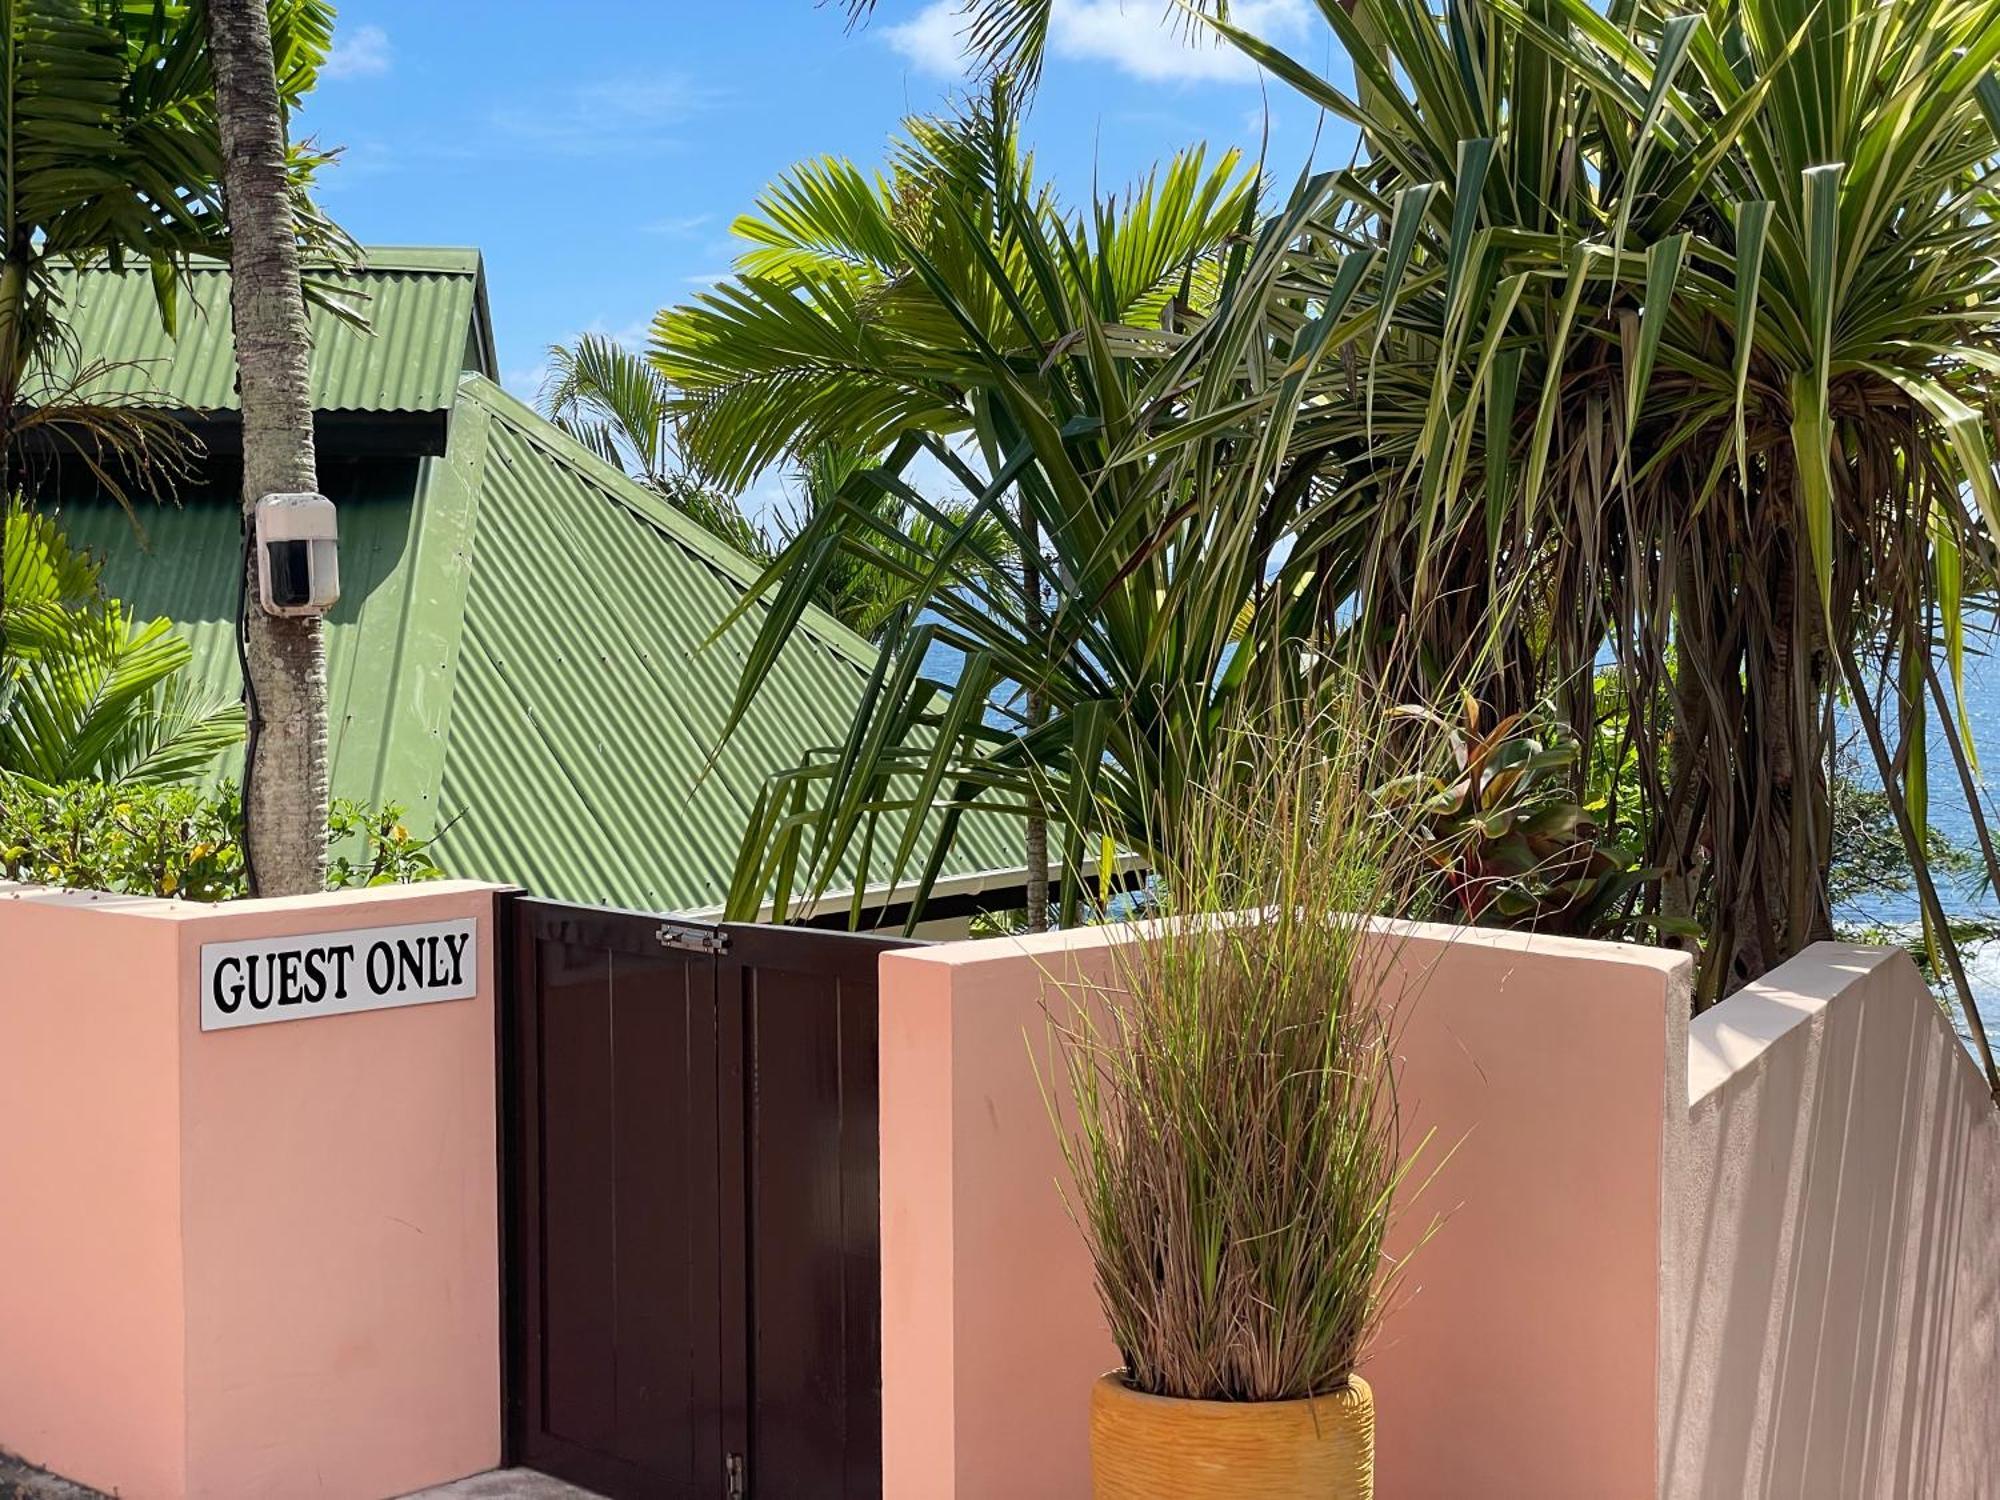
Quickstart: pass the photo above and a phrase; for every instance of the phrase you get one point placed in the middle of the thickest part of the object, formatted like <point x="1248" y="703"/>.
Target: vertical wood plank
<point x="579" y="1156"/>
<point x="692" y="1252"/>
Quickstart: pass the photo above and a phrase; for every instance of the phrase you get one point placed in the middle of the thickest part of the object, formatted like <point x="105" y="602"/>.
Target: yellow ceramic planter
<point x="1157" y="1448"/>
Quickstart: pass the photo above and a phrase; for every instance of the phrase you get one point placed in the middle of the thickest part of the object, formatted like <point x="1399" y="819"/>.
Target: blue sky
<point x="597" y="151"/>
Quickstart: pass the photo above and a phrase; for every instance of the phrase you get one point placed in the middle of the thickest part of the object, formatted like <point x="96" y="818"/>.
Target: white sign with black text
<point x="333" y="973"/>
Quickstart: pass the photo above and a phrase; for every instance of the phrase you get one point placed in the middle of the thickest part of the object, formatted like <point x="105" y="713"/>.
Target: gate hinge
<point x="691" y="939"/>
<point x="736" y="1471"/>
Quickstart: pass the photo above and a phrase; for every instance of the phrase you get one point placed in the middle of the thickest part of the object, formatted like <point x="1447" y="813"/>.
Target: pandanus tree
<point x="1095" y="386"/>
<point x="1676" y="340"/>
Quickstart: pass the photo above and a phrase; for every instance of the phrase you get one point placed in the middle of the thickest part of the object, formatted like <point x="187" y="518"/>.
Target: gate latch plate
<point x="687" y="938"/>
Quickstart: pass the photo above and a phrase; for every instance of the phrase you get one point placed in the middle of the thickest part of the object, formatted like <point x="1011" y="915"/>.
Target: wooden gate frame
<point x="739" y="951"/>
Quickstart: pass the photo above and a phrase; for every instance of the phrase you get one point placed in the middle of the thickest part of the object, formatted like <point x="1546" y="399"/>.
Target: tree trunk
<point x="284" y="763"/>
<point x="13" y="296"/>
<point x="1776" y="773"/>
<point x="1035" y="850"/>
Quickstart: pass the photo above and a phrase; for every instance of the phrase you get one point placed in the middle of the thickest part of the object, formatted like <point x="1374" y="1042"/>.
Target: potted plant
<point x="1235" y="1147"/>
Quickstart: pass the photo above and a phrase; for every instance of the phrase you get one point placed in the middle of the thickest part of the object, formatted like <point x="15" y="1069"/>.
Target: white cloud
<point x="611" y="115"/>
<point x="933" y="39"/>
<point x="677" y="226"/>
<point x="1134" y="36"/>
<point x="526" y="381"/>
<point x="365" y="54"/>
<point x="632" y="335"/>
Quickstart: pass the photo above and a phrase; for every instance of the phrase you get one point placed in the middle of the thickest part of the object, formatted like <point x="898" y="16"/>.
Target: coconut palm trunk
<point x="284" y="766"/>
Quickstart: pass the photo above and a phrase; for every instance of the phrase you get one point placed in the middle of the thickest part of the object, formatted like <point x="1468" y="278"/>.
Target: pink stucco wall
<point x="1755" y="1255"/>
<point x="1831" y="1282"/>
<point x="91" y="1335"/>
<point x="1523" y="1358"/>
<point x="249" y="1262"/>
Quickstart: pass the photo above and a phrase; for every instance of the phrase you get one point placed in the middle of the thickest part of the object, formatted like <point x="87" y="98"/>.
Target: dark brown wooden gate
<point x="693" y="1278"/>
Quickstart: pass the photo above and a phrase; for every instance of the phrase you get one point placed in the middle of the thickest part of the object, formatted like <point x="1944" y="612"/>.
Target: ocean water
<point x="1898" y="912"/>
<point x="1965" y="896"/>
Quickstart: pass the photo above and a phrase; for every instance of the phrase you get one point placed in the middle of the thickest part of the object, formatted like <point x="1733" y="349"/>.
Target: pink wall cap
<point x="168" y="908"/>
<point x="62" y="896"/>
<point x="1086" y="939"/>
<point x="1732" y="1036"/>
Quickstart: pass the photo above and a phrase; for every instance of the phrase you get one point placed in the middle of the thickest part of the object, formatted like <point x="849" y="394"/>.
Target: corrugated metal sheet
<point x="518" y="650"/>
<point x="598" y="707"/>
<point x="427" y="324"/>
<point x="181" y="561"/>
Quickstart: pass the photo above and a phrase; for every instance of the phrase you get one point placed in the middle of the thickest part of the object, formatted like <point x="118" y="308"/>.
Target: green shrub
<point x="1500" y="822"/>
<point x="180" y="841"/>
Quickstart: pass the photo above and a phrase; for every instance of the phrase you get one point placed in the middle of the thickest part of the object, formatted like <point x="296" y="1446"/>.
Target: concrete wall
<point x="249" y="1262"/>
<point x="1522" y="1360"/>
<point x="92" y="1342"/>
<point x="1755" y="1256"/>
<point x="1831" y="1283"/>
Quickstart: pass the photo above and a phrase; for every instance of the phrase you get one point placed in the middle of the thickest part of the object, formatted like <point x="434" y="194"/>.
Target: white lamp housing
<point x="298" y="555"/>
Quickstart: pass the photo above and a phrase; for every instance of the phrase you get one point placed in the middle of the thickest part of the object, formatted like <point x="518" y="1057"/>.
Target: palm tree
<point x="285" y="794"/>
<point x="1010" y="38"/>
<point x="1113" y="393"/>
<point x="1676" y="340"/>
<point x="112" y="154"/>
<point x="87" y="692"/>
<point x="619" y="406"/>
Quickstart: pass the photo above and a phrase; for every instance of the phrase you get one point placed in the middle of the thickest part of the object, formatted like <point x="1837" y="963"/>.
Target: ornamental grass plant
<point x="1236" y="1148"/>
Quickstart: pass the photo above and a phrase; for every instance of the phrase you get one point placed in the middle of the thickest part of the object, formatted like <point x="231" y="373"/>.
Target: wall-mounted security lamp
<point x="298" y="555"/>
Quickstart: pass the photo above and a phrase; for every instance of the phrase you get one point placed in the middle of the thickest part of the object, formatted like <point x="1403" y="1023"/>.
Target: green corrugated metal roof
<point x="582" y="663"/>
<point x="426" y="309"/>
<point x="518" y="648"/>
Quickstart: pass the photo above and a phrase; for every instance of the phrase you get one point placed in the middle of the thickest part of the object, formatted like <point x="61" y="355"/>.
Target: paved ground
<point x="23" y="1481"/>
<point x="501" y="1484"/>
<point x="19" y="1481"/>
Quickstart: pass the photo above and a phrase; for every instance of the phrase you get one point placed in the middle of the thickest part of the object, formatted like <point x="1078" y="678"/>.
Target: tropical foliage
<point x="181" y="841"/>
<point x="86" y="690"/>
<point x="1675" y="336"/>
<point x="113" y="153"/>
<point x="619" y="406"/>
<point x="1083" y="380"/>
<point x="1501" y="823"/>
<point x="1651" y="334"/>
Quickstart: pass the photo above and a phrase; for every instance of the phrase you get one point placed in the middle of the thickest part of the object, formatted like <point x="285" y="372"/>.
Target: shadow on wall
<point x="1837" y="1264"/>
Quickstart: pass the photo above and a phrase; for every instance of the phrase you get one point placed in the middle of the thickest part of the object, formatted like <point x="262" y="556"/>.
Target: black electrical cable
<point x="252" y="716"/>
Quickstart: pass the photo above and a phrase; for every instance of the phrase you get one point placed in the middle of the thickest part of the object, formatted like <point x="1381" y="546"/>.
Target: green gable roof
<point x="518" y="652"/>
<point x="426" y="309"/>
